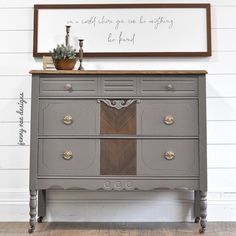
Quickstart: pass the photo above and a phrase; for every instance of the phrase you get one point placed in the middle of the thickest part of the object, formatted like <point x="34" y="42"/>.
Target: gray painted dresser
<point x="117" y="131"/>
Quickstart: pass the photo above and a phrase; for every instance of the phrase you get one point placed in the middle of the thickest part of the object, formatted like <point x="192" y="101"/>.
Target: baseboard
<point x="77" y="206"/>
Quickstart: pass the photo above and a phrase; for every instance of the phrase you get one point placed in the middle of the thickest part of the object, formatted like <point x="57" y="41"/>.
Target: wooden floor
<point x="117" y="229"/>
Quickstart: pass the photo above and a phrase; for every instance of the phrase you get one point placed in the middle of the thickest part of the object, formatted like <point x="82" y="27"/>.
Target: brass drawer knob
<point x="169" y="120"/>
<point x="169" y="87"/>
<point x="68" y="120"/>
<point x="68" y="86"/>
<point x="67" y="155"/>
<point x="169" y="155"/>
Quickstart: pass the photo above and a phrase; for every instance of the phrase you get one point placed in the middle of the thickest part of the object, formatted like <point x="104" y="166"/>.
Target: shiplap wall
<point x="16" y="27"/>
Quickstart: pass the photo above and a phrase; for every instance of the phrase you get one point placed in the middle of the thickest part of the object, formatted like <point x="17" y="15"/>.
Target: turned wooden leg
<point x="33" y="205"/>
<point x="203" y="211"/>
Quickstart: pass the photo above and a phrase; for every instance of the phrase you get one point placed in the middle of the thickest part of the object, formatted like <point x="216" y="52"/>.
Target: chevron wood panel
<point x="118" y="157"/>
<point x="115" y="121"/>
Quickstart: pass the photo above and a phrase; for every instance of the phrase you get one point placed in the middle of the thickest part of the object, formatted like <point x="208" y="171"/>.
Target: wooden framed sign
<point x="125" y="29"/>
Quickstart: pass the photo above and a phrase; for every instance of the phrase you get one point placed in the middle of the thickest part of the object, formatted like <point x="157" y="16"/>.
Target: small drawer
<point x="168" y="118"/>
<point x="68" y="157"/>
<point x="68" y="86"/>
<point x="169" y="86"/>
<point x="69" y="117"/>
<point x="168" y="157"/>
<point x="118" y="85"/>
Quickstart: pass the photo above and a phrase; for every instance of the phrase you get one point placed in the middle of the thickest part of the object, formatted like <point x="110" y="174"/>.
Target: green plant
<point x="63" y="52"/>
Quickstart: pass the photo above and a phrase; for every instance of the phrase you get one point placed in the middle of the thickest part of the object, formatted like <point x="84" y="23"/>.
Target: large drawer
<point x="169" y="86"/>
<point x="168" y="117"/>
<point x="69" y="117"/>
<point x="68" y="86"/>
<point x="170" y="157"/>
<point x="68" y="157"/>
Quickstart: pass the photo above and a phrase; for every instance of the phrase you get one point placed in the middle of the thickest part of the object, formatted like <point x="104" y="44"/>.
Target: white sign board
<point x="125" y="29"/>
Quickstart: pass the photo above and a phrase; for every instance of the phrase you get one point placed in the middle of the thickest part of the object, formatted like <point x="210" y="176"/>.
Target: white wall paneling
<point x="28" y="3"/>
<point x="221" y="156"/>
<point x="221" y="132"/>
<point x="25" y="62"/>
<point x="16" y="25"/>
<point x="223" y="39"/>
<point x="222" y="180"/>
<point x="8" y="108"/>
<point x="14" y="157"/>
<point x="14" y="180"/>
<point x="16" y="19"/>
<point x="221" y="62"/>
<point x="16" y="41"/>
<point x="9" y="133"/>
<point x="226" y="83"/>
<point x="12" y="86"/>
<point x="226" y="109"/>
<point x="224" y="17"/>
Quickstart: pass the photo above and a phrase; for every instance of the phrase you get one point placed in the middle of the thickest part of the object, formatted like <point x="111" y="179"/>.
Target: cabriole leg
<point x="203" y="211"/>
<point x="33" y="205"/>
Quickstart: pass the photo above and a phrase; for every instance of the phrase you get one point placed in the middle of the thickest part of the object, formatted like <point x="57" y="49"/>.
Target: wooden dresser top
<point x="119" y="72"/>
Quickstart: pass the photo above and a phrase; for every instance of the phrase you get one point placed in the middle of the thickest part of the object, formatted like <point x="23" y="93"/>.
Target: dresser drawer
<point x="169" y="86"/>
<point x="68" y="86"/>
<point x="68" y="157"/>
<point x="69" y="117"/>
<point x="118" y="85"/>
<point x="168" y="157"/>
<point x="168" y="117"/>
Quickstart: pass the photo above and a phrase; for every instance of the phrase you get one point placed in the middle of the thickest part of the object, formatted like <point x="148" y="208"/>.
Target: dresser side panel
<point x="34" y="131"/>
<point x="202" y="133"/>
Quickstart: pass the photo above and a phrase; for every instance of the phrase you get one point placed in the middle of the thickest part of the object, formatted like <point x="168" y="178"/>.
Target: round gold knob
<point x="68" y="86"/>
<point x="68" y="120"/>
<point x="67" y="155"/>
<point x="169" y="155"/>
<point x="169" y="120"/>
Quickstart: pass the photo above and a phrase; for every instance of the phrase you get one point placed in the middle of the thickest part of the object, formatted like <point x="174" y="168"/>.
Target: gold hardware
<point x="169" y="87"/>
<point x="68" y="120"/>
<point x="67" y="155"/>
<point x="68" y="86"/>
<point x="169" y="120"/>
<point x="169" y="155"/>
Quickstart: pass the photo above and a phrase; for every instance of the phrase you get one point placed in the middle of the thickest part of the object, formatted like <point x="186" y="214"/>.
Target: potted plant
<point x="64" y="57"/>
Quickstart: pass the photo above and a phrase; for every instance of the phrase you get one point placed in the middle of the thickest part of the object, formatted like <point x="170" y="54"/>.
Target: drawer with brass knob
<point x="67" y="117"/>
<point x="70" y="157"/>
<point x="68" y="86"/>
<point x="168" y="86"/>
<point x="168" y="118"/>
<point x="169" y="157"/>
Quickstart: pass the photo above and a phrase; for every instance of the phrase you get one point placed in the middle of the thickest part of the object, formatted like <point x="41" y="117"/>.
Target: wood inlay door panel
<point x="114" y="121"/>
<point x="118" y="157"/>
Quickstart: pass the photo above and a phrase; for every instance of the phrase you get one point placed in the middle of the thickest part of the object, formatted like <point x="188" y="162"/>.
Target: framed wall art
<point x="125" y="29"/>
